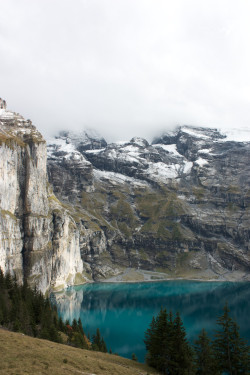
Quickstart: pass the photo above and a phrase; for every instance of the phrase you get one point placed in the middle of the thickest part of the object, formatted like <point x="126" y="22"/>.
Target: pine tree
<point x="182" y="361"/>
<point x="103" y="347"/>
<point x="98" y="343"/>
<point x="204" y="356"/>
<point x="167" y="347"/>
<point x="61" y="325"/>
<point x="232" y="352"/>
<point x="96" y="340"/>
<point x="74" y="325"/>
<point x="80" y="328"/>
<point x="153" y="336"/>
<point x="240" y="354"/>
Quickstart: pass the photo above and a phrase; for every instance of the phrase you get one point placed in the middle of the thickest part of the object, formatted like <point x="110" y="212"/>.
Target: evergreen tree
<point x="78" y="340"/>
<point x="182" y="360"/>
<point x="26" y="310"/>
<point x="232" y="352"/>
<point x="204" y="356"/>
<point x="61" y="325"/>
<point x="103" y="347"/>
<point x="240" y="354"/>
<point x="96" y="340"/>
<point x="80" y="328"/>
<point x="154" y="335"/>
<point x="74" y="325"/>
<point x="167" y="347"/>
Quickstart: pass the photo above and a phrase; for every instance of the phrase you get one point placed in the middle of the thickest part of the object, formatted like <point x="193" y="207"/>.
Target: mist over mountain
<point x="127" y="68"/>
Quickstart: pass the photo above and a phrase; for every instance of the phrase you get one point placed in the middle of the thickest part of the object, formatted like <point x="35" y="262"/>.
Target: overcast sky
<point x="126" y="67"/>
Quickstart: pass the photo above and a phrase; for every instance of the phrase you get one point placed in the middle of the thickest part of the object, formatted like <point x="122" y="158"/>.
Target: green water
<point x="123" y="311"/>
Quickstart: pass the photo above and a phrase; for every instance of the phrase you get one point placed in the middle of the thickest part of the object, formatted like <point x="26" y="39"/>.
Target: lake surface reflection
<point x="123" y="311"/>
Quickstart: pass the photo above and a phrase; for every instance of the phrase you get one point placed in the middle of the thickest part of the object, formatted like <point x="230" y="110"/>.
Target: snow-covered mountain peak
<point x="141" y="142"/>
<point x="171" y="156"/>
<point x="86" y="139"/>
<point x="198" y="133"/>
<point x="201" y="132"/>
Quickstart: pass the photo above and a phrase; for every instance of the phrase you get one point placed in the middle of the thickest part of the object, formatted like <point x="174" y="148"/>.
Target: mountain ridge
<point x="85" y="210"/>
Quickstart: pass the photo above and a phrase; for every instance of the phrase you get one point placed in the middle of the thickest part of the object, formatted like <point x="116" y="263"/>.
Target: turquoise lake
<point x="123" y="311"/>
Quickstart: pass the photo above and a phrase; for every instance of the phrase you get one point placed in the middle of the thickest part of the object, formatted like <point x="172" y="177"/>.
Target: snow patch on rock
<point x="117" y="178"/>
<point x="201" y="162"/>
<point x="172" y="149"/>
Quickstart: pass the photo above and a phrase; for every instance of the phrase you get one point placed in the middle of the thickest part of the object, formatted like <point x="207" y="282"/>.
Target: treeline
<point x="169" y="351"/>
<point x="25" y="310"/>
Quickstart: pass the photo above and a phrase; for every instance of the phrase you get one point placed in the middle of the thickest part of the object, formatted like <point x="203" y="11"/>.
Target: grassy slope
<point x="22" y="354"/>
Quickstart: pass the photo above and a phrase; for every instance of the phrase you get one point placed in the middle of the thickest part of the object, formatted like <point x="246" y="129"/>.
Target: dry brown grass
<point x="22" y="354"/>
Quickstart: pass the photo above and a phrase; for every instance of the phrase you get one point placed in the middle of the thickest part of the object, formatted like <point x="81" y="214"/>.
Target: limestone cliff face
<point x="39" y="241"/>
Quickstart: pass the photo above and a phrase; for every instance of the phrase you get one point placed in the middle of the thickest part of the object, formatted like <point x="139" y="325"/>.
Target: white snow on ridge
<point x="95" y="151"/>
<point x="194" y="132"/>
<point x="201" y="162"/>
<point x="117" y="177"/>
<point x="205" y="151"/>
<point x="131" y="148"/>
<point x="82" y="135"/>
<point x="161" y="171"/>
<point x="132" y="156"/>
<point x="139" y="141"/>
<point x="60" y="145"/>
<point x="187" y="167"/>
<point x="236" y="135"/>
<point x="170" y="148"/>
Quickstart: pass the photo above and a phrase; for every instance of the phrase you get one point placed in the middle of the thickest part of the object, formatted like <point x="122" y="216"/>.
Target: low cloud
<point x="126" y="67"/>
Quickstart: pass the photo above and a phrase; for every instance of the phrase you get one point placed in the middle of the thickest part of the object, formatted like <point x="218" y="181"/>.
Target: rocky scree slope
<point x="179" y="206"/>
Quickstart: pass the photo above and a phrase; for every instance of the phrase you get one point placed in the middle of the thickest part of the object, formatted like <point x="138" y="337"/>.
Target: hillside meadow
<point x="24" y="355"/>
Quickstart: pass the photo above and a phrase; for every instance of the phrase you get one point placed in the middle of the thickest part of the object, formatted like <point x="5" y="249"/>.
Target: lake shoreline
<point x="131" y="275"/>
<point x="139" y="275"/>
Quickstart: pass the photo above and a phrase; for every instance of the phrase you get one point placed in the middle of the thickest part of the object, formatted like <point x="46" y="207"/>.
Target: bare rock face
<point x="30" y="237"/>
<point x="178" y="207"/>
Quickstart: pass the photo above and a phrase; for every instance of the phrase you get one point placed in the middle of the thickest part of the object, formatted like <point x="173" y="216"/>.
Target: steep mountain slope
<point x="179" y="206"/>
<point x="176" y="208"/>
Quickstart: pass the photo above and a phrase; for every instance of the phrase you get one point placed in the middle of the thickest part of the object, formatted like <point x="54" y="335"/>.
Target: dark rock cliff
<point x="178" y="206"/>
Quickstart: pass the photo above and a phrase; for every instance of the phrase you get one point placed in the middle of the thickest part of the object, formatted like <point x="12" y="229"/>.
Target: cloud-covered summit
<point x="128" y="67"/>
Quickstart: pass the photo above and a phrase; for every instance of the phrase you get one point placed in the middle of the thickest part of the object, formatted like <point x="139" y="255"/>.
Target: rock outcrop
<point x="178" y="207"/>
<point x="38" y="240"/>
